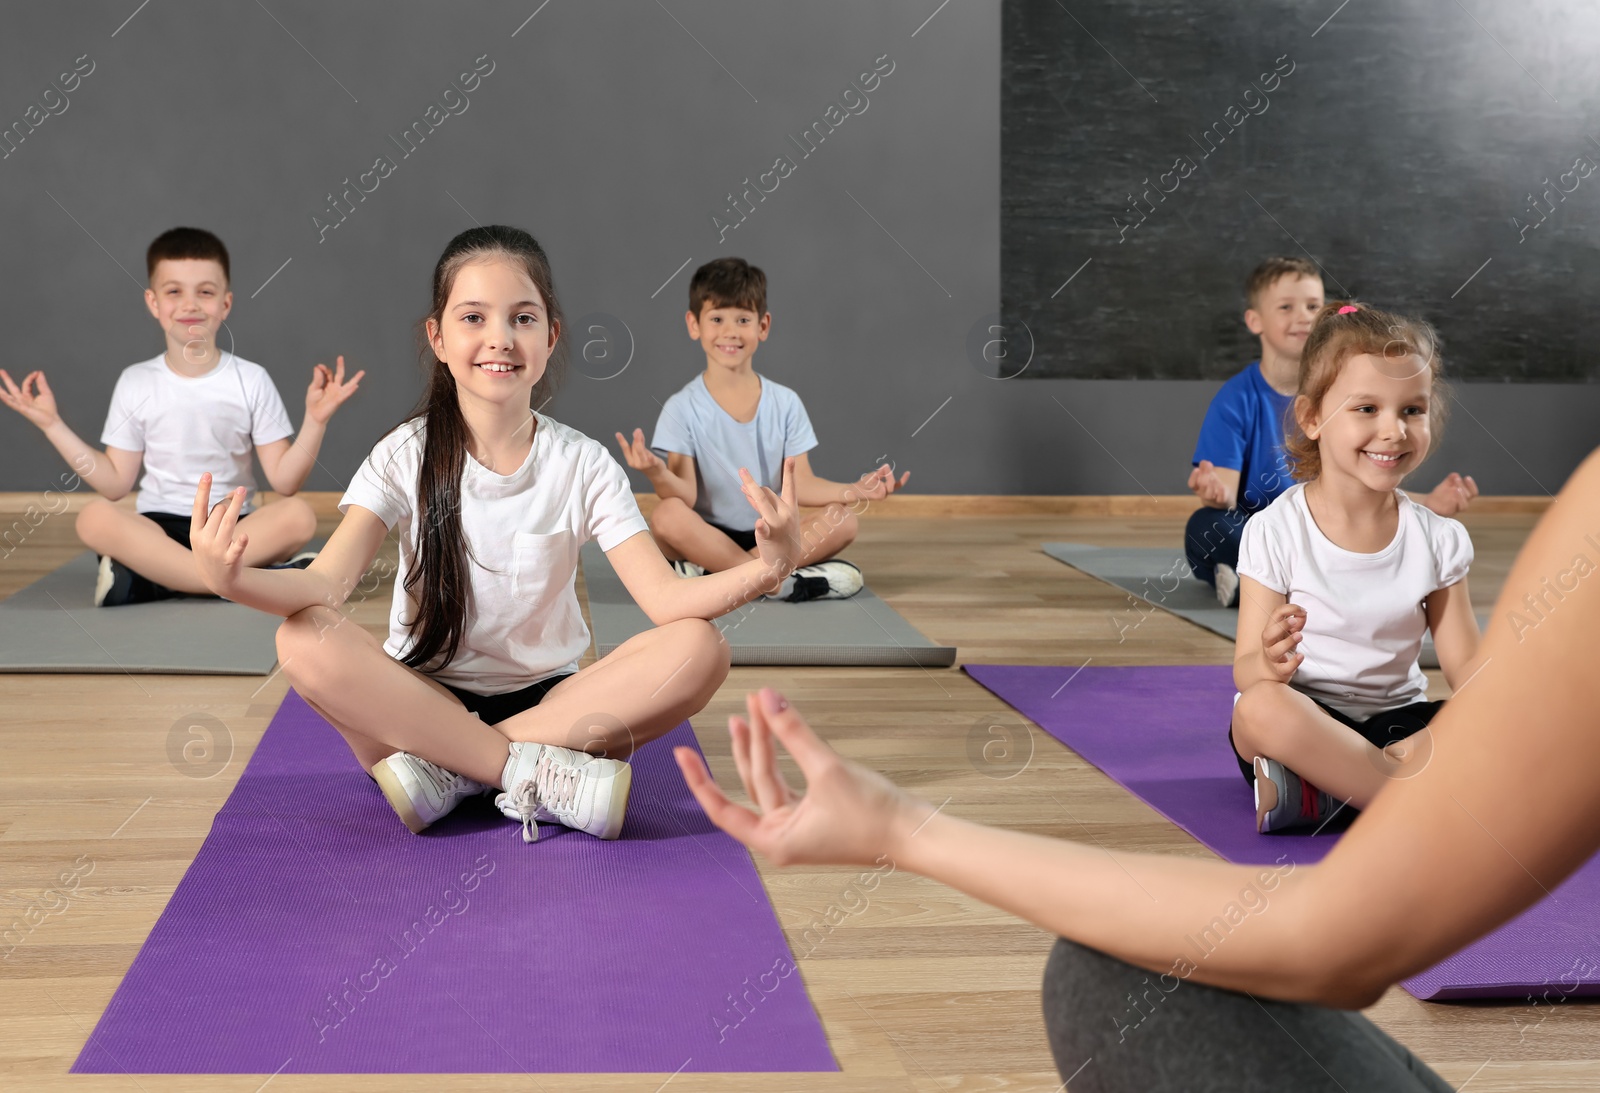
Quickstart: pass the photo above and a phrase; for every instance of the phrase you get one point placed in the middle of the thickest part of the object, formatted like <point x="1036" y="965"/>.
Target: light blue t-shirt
<point x="1244" y="431"/>
<point x="692" y="424"/>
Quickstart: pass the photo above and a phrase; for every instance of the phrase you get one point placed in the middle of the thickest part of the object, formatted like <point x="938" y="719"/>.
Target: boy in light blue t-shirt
<point x="1239" y="465"/>
<point x="728" y="418"/>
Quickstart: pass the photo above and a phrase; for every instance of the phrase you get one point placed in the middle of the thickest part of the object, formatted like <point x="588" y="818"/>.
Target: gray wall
<point x="613" y="132"/>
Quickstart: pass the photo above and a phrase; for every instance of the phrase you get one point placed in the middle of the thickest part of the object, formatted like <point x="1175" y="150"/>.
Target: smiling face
<point x="1282" y="314"/>
<point x="1373" y="425"/>
<point x="189" y="297"/>
<point x="729" y="335"/>
<point x="496" y="334"/>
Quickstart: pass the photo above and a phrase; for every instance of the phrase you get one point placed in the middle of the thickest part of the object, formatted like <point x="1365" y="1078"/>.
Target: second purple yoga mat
<point x="315" y="934"/>
<point x="1161" y="733"/>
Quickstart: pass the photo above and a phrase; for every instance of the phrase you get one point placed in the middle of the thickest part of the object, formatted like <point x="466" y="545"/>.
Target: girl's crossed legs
<point x="641" y="690"/>
<point x="1274" y="720"/>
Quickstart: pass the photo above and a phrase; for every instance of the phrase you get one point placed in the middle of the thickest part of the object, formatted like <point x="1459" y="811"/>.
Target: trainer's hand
<point x="778" y="526"/>
<point x="328" y="390"/>
<point x="638" y="454"/>
<point x="217" y="546"/>
<point x="1280" y="641"/>
<point x="878" y="484"/>
<point x="32" y="398"/>
<point x="1204" y="484"/>
<point x="847" y="814"/>
<point x="1452" y="495"/>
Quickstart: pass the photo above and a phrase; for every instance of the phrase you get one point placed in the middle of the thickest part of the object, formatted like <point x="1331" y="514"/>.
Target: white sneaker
<point x="562" y="786"/>
<point x="835" y="579"/>
<point x="683" y="567"/>
<point x="420" y="791"/>
<point x="1227" y="585"/>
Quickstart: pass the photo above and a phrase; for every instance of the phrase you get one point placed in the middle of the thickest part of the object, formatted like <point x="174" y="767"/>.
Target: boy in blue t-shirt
<point x="728" y="418"/>
<point x="1239" y="465"/>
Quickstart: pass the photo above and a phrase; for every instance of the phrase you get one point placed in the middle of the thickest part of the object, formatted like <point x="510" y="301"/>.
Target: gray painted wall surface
<point x="614" y="131"/>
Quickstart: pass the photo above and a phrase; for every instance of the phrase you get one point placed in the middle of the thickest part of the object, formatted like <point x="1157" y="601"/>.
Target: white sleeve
<point x="383" y="482"/>
<point x="610" y="512"/>
<point x="1262" y="557"/>
<point x="1452" y="550"/>
<point x="124" y="423"/>
<point x="269" y="419"/>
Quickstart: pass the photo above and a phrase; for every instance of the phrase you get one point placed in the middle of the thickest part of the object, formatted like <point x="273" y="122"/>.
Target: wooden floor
<point x="923" y="990"/>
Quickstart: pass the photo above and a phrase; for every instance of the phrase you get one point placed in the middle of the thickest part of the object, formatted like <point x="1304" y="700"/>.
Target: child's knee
<point x="303" y="647"/>
<point x="1259" y="707"/>
<point x="843" y="524"/>
<point x="95" y="524"/>
<point x="667" y="520"/>
<point x="299" y="519"/>
<point x="708" y="651"/>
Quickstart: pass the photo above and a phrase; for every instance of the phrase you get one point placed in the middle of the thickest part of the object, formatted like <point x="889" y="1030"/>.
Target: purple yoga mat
<point x="315" y="934"/>
<point x="1162" y="734"/>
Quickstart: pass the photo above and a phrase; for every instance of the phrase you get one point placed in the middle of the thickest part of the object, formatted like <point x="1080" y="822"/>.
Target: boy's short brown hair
<point x="1267" y="273"/>
<point x="177" y="243"/>
<point x="728" y="282"/>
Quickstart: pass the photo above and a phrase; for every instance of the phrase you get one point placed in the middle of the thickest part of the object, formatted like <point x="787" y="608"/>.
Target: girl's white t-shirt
<point x="523" y="531"/>
<point x="189" y="425"/>
<point x="1364" y="613"/>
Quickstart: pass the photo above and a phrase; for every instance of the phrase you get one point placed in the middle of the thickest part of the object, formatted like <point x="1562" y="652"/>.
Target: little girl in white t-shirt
<point x="477" y="688"/>
<point x="1342" y="575"/>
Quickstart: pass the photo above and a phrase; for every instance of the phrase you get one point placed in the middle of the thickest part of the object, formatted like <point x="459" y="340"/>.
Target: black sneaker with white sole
<point x="116" y="585"/>
<point x="834" y="579"/>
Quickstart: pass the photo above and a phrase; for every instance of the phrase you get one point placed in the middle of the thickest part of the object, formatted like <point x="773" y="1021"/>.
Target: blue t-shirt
<point x="1243" y="431"/>
<point x="692" y="424"/>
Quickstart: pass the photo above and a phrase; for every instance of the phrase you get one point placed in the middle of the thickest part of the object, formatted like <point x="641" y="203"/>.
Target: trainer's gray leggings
<point x="1115" y="1028"/>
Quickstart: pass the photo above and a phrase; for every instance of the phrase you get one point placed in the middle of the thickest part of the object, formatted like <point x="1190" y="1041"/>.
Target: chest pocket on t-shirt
<point x="541" y="565"/>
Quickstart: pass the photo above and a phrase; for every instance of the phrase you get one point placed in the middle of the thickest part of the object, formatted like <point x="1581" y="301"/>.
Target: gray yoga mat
<point x="1161" y="577"/>
<point x="862" y="630"/>
<point x="53" y="626"/>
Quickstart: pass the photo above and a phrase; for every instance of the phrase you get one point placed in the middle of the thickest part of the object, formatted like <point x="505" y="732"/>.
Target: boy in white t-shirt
<point x="195" y="408"/>
<point x="729" y="418"/>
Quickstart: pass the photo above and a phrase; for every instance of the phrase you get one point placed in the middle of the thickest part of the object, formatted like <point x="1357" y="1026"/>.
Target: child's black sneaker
<point x="683" y="567"/>
<point x="834" y="579"/>
<point x="299" y="561"/>
<point x="116" y="585"/>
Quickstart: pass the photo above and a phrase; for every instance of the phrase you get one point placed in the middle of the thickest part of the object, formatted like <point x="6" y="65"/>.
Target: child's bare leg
<point x="641" y="690"/>
<point x="275" y="531"/>
<point x="278" y="529"/>
<point x="379" y="705"/>
<point x="681" y="533"/>
<point x="1276" y="721"/>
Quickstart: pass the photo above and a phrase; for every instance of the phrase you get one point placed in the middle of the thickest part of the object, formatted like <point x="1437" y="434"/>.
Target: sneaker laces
<point x="553" y="787"/>
<point x="445" y="781"/>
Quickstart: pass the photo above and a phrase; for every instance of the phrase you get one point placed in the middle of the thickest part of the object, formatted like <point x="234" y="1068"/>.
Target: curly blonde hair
<point x="1349" y="328"/>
